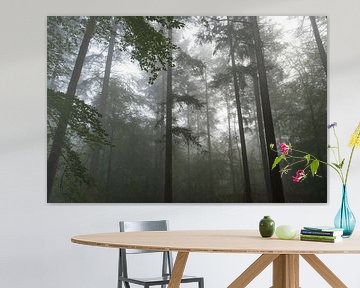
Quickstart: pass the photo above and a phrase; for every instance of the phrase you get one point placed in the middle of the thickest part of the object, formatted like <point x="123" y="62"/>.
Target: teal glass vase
<point x="345" y="219"/>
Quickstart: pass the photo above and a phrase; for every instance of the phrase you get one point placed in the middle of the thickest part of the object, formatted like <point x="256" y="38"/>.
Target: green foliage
<point x="215" y="29"/>
<point x="168" y="22"/>
<point x="148" y="44"/>
<point x="131" y="168"/>
<point x="85" y="121"/>
<point x="186" y="135"/>
<point x="104" y="29"/>
<point x="63" y="39"/>
<point x="142" y="36"/>
<point x="184" y="59"/>
<point x="314" y="166"/>
<point x="188" y="100"/>
<point x="74" y="179"/>
<point x="277" y="160"/>
<point x="222" y="78"/>
<point x="73" y="164"/>
<point x="84" y="126"/>
<point x="340" y="165"/>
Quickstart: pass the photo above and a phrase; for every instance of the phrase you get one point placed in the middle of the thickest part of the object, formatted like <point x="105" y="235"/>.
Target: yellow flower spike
<point x="355" y="138"/>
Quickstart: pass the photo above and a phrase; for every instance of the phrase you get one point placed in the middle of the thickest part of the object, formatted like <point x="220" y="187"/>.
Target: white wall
<point x="35" y="248"/>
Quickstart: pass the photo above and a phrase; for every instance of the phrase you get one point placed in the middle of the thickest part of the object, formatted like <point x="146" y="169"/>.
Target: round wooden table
<point x="284" y="254"/>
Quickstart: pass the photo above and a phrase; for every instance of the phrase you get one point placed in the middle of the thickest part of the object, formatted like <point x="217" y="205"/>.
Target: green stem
<point x="333" y="152"/>
<point x="292" y="164"/>
<point x="338" y="145"/>
<point x="312" y="156"/>
<point x="336" y="169"/>
<point x="340" y="159"/>
<point x="348" y="167"/>
<point x="339" y="171"/>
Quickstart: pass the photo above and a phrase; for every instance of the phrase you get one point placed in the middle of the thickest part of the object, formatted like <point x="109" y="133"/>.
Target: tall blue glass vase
<point x="345" y="219"/>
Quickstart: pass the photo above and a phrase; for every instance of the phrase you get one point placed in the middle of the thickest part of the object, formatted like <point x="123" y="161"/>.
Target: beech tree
<point x="148" y="56"/>
<point x="104" y="94"/>
<point x="59" y="135"/>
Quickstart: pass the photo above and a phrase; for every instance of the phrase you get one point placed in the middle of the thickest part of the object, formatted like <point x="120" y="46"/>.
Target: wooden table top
<point x="217" y="241"/>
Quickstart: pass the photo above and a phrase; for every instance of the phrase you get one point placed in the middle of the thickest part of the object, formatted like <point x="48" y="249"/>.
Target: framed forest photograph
<point x="185" y="109"/>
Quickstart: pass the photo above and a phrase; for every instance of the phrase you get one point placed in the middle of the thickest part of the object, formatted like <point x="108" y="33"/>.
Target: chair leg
<point x="201" y="283"/>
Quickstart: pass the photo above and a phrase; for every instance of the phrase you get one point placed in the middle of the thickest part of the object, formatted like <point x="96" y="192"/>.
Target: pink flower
<point x="300" y="171"/>
<point x="284" y="148"/>
<point x="300" y="175"/>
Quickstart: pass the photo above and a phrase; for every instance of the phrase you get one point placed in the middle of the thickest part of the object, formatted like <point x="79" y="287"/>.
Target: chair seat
<point x="158" y="280"/>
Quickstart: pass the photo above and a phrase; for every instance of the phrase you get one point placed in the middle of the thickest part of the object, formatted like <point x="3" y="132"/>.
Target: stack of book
<point x="321" y="234"/>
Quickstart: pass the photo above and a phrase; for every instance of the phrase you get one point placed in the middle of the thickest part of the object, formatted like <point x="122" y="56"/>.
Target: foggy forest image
<point x="183" y="109"/>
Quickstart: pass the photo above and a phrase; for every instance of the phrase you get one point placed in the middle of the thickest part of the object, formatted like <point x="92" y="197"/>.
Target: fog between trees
<point x="183" y="109"/>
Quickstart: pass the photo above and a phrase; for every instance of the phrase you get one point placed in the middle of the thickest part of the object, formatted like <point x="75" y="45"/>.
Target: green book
<point x="325" y="240"/>
<point x="323" y="228"/>
<point x="321" y="233"/>
<point x="319" y="236"/>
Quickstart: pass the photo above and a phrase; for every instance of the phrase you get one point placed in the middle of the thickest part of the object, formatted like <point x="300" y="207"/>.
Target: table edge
<point x="203" y="250"/>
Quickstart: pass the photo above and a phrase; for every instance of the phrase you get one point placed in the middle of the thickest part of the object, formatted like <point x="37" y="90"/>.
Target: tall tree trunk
<point x="168" y="193"/>
<point x="276" y="183"/>
<point x="198" y="123"/>
<point x="105" y="87"/>
<point x="59" y="137"/>
<point x="230" y="153"/>
<point x="109" y="166"/>
<point x="319" y="43"/>
<point x="248" y="196"/>
<point x="111" y="149"/>
<point x="188" y="158"/>
<point x="236" y="137"/>
<point x="159" y="141"/>
<point x="278" y="128"/>
<point x="260" y="121"/>
<point x="211" y="180"/>
<point x="95" y="157"/>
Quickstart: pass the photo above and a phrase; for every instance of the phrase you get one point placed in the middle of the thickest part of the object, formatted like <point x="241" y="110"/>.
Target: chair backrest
<point x="134" y="226"/>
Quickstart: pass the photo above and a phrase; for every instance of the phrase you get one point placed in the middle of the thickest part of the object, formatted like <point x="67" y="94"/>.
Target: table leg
<point x="324" y="271"/>
<point x="178" y="270"/>
<point x="286" y="271"/>
<point x="253" y="270"/>
<point x="293" y="262"/>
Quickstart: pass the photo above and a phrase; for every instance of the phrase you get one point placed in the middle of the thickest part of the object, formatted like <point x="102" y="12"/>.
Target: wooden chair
<point x="167" y="262"/>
